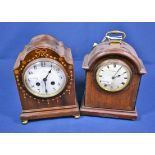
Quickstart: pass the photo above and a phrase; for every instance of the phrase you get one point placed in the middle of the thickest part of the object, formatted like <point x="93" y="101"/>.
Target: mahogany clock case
<point x="65" y="103"/>
<point x="80" y="38"/>
<point x="121" y="104"/>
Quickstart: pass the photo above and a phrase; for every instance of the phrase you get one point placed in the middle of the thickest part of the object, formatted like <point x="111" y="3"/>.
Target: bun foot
<point x="77" y="116"/>
<point x="24" y="122"/>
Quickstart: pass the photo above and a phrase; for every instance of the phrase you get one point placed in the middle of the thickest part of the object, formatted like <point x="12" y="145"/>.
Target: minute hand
<point x="116" y="73"/>
<point x="45" y="85"/>
<point x="48" y="73"/>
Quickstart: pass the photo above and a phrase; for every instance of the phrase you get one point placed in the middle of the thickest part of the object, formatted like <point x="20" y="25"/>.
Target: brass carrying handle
<point x="114" y="35"/>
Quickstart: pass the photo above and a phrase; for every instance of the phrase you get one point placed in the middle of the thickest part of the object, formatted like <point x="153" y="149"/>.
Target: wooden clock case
<point x="65" y="103"/>
<point x="99" y="102"/>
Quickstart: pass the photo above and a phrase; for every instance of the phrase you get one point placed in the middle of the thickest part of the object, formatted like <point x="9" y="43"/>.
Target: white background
<point x="77" y="11"/>
<point x="77" y="144"/>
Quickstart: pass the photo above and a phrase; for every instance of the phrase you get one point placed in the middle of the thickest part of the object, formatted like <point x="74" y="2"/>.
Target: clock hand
<point x="48" y="73"/>
<point x="113" y="77"/>
<point x="120" y="75"/>
<point x="45" y="79"/>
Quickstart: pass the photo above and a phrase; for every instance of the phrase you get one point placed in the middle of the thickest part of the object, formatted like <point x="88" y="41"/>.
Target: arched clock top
<point x="120" y="48"/>
<point x="113" y="75"/>
<point x="45" y="42"/>
<point x="44" y="75"/>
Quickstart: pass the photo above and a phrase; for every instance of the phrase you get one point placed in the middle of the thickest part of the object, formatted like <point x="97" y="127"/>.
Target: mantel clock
<point x="45" y="80"/>
<point x="113" y="73"/>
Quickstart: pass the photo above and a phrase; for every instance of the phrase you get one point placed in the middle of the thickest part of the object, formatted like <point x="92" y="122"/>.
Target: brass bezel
<point x="110" y="61"/>
<point x="40" y="60"/>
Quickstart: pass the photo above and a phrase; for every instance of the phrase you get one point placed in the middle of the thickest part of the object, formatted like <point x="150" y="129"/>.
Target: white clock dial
<point x="113" y="75"/>
<point x="44" y="77"/>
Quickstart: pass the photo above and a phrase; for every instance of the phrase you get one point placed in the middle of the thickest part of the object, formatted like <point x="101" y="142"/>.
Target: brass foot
<point x="77" y="116"/>
<point x="24" y="122"/>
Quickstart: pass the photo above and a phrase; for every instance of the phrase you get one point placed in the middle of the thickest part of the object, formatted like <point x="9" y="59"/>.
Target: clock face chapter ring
<point x="44" y="77"/>
<point x="113" y="75"/>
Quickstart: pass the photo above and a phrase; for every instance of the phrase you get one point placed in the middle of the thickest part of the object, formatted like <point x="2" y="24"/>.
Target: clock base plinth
<point x="122" y="114"/>
<point x="49" y="113"/>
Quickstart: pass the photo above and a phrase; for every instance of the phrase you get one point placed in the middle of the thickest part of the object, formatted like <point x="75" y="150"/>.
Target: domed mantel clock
<point x="45" y="80"/>
<point x="113" y="73"/>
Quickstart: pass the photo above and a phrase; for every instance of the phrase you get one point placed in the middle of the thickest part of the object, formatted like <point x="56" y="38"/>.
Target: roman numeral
<point x="35" y="67"/>
<point x="122" y="83"/>
<point x="46" y="91"/>
<point x="30" y="72"/>
<point x="42" y="64"/>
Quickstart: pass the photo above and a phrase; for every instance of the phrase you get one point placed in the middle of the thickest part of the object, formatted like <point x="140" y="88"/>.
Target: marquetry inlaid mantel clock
<point x="113" y="73"/>
<point x="45" y="80"/>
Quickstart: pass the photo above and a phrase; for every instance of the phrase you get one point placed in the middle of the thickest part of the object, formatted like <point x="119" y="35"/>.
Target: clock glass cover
<point x="44" y="77"/>
<point x="113" y="75"/>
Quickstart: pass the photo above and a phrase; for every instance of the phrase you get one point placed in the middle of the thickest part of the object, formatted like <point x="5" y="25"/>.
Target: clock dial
<point x="44" y="77"/>
<point x="113" y="75"/>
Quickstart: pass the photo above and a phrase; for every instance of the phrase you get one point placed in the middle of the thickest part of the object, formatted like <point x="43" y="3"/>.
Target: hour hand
<point x="119" y="75"/>
<point x="116" y="76"/>
<point x="116" y="73"/>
